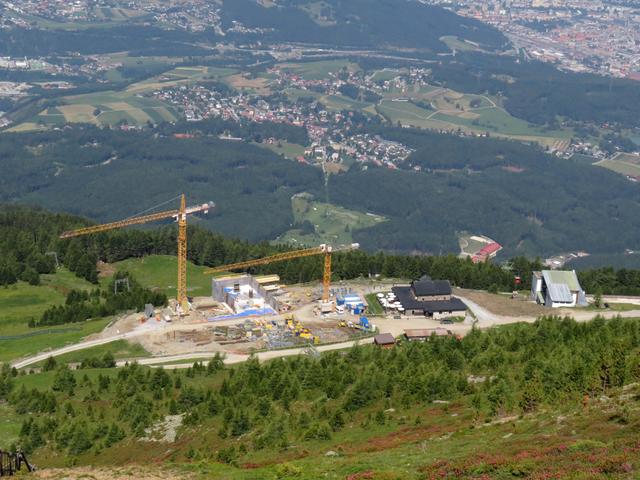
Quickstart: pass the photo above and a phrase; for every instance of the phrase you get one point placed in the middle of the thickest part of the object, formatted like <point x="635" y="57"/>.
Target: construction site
<point x="247" y="313"/>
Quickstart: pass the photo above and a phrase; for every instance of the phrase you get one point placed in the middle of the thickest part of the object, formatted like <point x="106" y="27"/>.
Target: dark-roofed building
<point x="385" y="340"/>
<point x="429" y="297"/>
<point x="427" y="290"/>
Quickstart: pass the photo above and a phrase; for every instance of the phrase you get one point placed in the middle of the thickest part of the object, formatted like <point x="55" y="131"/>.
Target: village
<point x="331" y="132"/>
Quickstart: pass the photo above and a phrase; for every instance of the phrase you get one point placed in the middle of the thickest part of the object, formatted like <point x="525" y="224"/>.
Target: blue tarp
<point x="246" y="313"/>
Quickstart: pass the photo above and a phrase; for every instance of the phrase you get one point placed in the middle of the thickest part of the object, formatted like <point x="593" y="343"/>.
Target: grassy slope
<point x="21" y="302"/>
<point x="425" y="441"/>
<point x="333" y="224"/>
<point x="120" y="349"/>
<point x="319" y="70"/>
<point x="160" y="272"/>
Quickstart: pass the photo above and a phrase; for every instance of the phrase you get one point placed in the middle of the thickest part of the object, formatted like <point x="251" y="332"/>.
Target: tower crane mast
<point x="181" y="217"/>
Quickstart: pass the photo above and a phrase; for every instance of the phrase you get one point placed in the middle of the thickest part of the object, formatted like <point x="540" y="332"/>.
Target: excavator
<point x="324" y="249"/>
<point x="181" y="217"/>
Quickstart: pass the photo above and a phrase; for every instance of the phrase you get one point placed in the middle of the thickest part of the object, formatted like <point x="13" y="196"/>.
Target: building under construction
<point x="248" y="294"/>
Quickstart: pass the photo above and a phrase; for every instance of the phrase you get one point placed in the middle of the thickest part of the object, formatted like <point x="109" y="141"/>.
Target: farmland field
<point x="454" y="112"/>
<point x="325" y="223"/>
<point x="387" y="74"/>
<point x="289" y="150"/>
<point x="241" y="82"/>
<point x="623" y="163"/>
<point x="319" y="70"/>
<point x="131" y="105"/>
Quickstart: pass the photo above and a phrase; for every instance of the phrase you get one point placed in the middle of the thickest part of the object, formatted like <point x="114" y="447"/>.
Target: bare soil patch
<point x="120" y="473"/>
<point x="239" y="81"/>
<point x="105" y="269"/>
<point x="504" y="304"/>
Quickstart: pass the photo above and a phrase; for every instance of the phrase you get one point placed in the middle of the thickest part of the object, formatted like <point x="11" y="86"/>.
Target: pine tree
<point x="64" y="380"/>
<point x="49" y="364"/>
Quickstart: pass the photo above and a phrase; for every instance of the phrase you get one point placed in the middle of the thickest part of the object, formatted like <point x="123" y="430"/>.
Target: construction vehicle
<point x="363" y="324"/>
<point x="323" y="249"/>
<point x="181" y="217"/>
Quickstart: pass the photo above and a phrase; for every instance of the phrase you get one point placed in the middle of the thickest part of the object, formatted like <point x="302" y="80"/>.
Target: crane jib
<point x="180" y="215"/>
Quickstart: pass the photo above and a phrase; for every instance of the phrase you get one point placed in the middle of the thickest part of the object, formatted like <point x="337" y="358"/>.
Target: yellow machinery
<point x="181" y="216"/>
<point x="323" y="249"/>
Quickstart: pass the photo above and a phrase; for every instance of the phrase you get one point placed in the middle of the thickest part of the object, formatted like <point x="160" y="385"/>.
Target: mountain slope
<point x="362" y="23"/>
<point x="530" y="202"/>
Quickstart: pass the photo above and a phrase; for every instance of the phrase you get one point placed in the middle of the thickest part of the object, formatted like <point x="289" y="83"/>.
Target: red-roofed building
<point x="485" y="253"/>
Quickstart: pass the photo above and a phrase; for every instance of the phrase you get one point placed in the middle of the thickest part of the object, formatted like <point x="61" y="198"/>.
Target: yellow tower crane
<point x="325" y="250"/>
<point x="181" y="217"/>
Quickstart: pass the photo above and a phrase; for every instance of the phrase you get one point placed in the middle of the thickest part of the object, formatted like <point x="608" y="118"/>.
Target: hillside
<point x="542" y="398"/>
<point x="511" y="192"/>
<point x="386" y="23"/>
<point x="484" y="405"/>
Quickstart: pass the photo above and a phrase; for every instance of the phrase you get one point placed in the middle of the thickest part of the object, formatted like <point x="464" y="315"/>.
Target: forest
<point x="414" y="25"/>
<point x="231" y="414"/>
<point x="540" y="93"/>
<point x="83" y="169"/>
<point x="147" y="40"/>
<point x="28" y="234"/>
<point x="512" y="192"/>
<point x="360" y="23"/>
<point x="66" y="170"/>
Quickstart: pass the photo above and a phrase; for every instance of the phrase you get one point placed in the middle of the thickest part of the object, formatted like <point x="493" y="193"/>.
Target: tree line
<point x="29" y="233"/>
<point x="82" y="305"/>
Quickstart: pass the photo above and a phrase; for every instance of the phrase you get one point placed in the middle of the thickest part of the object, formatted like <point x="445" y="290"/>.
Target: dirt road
<point x="485" y="319"/>
<point x="232" y="358"/>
